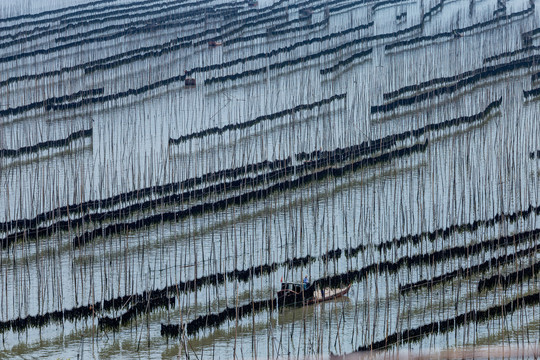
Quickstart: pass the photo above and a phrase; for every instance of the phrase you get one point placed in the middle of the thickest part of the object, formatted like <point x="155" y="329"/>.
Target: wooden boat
<point x="189" y="81"/>
<point x="296" y="294"/>
<point x="326" y="294"/>
<point x="213" y="43"/>
<point x="305" y="13"/>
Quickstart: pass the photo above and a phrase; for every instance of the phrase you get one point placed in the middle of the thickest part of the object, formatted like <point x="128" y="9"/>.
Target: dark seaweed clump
<point x="136" y="309"/>
<point x="245" y="197"/>
<point x="463" y="79"/>
<point x="534" y="154"/>
<point x="231" y="313"/>
<point x="140" y="194"/>
<point x="50" y="102"/>
<point x="250" y="123"/>
<point x="466" y="79"/>
<point x="460" y="31"/>
<point x="322" y="159"/>
<point x="505" y="281"/>
<point x="443" y="326"/>
<point x="492" y="263"/>
<point x="347" y="61"/>
<point x="46" y="144"/>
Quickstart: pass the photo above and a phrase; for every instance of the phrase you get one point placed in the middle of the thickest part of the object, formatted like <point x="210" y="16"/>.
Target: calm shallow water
<point x="466" y="174"/>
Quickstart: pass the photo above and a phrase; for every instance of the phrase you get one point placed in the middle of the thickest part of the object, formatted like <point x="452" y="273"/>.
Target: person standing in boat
<point x="306" y="282"/>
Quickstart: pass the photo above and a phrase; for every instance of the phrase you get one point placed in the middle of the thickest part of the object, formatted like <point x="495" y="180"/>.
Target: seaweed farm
<point x="167" y="167"/>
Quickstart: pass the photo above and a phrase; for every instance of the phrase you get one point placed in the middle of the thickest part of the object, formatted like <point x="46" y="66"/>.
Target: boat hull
<point x="287" y="297"/>
<point x="328" y="294"/>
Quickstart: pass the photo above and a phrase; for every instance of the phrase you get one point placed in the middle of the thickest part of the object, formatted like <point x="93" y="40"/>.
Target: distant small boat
<point x="296" y="294"/>
<point x="305" y="13"/>
<point x="213" y="43"/>
<point x="252" y="3"/>
<point x="401" y="17"/>
<point x="189" y="81"/>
